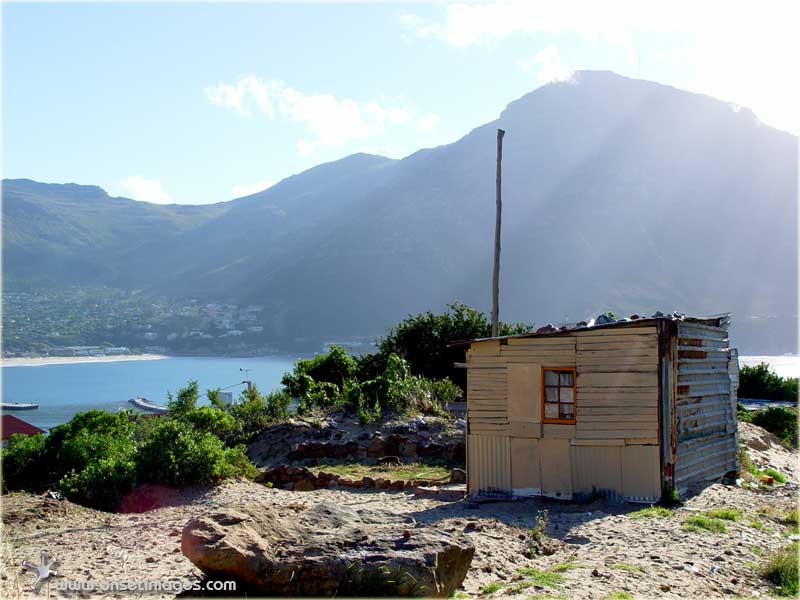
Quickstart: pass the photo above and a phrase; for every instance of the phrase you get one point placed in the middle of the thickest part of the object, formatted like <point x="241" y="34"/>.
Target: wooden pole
<point x="496" y="274"/>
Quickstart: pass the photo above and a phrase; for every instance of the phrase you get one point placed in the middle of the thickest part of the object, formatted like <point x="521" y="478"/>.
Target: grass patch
<point x="651" y="512"/>
<point x="747" y="465"/>
<point x="626" y="567"/>
<point x="791" y="517"/>
<point x="727" y="514"/>
<point x="491" y="588"/>
<point x="701" y="523"/>
<point x="542" y="578"/>
<point x="781" y="568"/>
<point x="560" y="568"/>
<point x="776" y="475"/>
<point x="619" y="596"/>
<point x="405" y="472"/>
<point x="756" y="524"/>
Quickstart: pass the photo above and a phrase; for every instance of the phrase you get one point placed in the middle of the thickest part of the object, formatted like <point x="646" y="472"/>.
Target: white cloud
<point x="550" y="65"/>
<point x="148" y="190"/>
<point x="326" y="119"/>
<point x="239" y="191"/>
<point x="427" y="123"/>
<point x="743" y="52"/>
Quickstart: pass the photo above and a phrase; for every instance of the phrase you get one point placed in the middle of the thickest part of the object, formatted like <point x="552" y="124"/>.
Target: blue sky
<point x="198" y="103"/>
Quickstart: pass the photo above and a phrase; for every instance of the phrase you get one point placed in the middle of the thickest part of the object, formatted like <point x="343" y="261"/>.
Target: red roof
<point x="12" y="425"/>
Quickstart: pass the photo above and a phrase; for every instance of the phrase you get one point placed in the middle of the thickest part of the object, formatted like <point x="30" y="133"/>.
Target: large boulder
<point x="326" y="551"/>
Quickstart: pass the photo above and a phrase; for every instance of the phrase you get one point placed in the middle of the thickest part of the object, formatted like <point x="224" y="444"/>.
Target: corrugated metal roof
<point x="605" y="322"/>
<point x="12" y="425"/>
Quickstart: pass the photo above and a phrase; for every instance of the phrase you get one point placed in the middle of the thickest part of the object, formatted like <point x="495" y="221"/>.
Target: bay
<point x="62" y="390"/>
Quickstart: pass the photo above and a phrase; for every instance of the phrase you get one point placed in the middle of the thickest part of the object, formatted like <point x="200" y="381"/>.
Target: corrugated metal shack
<point x="625" y="408"/>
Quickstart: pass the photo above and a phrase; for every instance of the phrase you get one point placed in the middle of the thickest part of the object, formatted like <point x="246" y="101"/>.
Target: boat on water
<point x="146" y="405"/>
<point x="17" y="406"/>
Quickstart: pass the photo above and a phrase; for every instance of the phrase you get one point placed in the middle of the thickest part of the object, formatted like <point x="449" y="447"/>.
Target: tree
<point x="423" y="339"/>
<point x="185" y="400"/>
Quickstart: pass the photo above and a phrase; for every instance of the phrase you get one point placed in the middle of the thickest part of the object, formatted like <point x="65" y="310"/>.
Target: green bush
<point x="445" y="391"/>
<point x="423" y="339"/>
<point x="185" y="400"/>
<point x="761" y="383"/>
<point x="101" y="484"/>
<point x="333" y="367"/>
<point x="277" y="405"/>
<point x="22" y="461"/>
<point x="210" y="420"/>
<point x="250" y="415"/>
<point x="89" y="436"/>
<point x="780" y="421"/>
<point x="177" y="454"/>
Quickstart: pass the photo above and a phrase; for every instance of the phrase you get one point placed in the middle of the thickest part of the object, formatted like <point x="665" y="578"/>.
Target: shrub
<point x="333" y="367"/>
<point x="89" y="436"/>
<point x="422" y="340"/>
<point x="782" y="569"/>
<point x="445" y="391"/>
<point x="250" y="415"/>
<point x="277" y="405"/>
<point x="210" y="420"/>
<point x="781" y="422"/>
<point x="177" y="454"/>
<point x="21" y="460"/>
<point x="101" y="484"/>
<point x="185" y="400"/>
<point x="759" y="382"/>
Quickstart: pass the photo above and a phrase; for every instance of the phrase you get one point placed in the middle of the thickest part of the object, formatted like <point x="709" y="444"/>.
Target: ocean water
<point x="63" y="390"/>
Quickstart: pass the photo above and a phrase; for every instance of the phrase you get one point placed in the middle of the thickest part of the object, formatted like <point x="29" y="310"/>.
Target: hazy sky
<point x="197" y="103"/>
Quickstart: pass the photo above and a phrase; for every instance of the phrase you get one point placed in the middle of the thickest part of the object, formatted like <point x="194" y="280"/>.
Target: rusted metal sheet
<point x="489" y="465"/>
<point x="704" y="415"/>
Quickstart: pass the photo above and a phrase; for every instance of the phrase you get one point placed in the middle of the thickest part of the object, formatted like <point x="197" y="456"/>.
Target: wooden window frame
<point x="574" y="395"/>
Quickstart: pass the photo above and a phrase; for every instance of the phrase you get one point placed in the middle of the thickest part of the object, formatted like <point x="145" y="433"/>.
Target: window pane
<point x="551" y="411"/>
<point x="567" y="395"/>
<point x="567" y="411"/>
<point x="551" y="394"/>
<point x="566" y="378"/>
<point x="550" y="378"/>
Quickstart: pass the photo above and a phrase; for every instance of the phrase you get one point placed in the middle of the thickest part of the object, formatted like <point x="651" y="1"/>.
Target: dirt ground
<point x="598" y="549"/>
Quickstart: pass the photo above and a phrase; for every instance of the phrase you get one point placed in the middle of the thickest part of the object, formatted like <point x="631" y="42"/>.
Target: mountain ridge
<point x="619" y="194"/>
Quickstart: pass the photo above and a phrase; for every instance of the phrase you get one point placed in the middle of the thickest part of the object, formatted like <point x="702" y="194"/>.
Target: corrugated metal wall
<point x="489" y="464"/>
<point x="705" y="416"/>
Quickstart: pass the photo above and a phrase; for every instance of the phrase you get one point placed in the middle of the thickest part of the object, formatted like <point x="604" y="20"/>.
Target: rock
<point x="377" y="447"/>
<point x="325" y="550"/>
<point x="150" y="559"/>
<point x="368" y="482"/>
<point x="664" y="587"/>
<point x="304" y="485"/>
<point x="425" y="492"/>
<point x="458" y="476"/>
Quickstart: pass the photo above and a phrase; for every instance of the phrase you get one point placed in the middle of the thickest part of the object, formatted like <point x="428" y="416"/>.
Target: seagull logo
<point x="43" y="571"/>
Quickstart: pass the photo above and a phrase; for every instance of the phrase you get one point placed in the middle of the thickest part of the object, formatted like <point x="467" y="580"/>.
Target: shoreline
<point x="71" y="360"/>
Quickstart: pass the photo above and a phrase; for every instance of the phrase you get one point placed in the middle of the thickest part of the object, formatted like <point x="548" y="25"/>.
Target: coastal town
<point x="98" y="322"/>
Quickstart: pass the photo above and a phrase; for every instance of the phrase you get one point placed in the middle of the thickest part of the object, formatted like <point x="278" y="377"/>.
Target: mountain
<point x="619" y="194"/>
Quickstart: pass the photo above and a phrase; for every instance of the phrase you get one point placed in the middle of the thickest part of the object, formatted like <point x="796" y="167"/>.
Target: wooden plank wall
<point x="704" y="413"/>
<point x="613" y="446"/>
<point x="617" y="395"/>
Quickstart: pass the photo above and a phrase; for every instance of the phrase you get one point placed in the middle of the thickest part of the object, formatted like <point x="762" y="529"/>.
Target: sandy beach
<point x="67" y="360"/>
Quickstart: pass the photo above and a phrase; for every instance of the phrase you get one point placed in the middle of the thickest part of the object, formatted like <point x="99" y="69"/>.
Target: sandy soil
<point x="68" y="360"/>
<point x="606" y="549"/>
